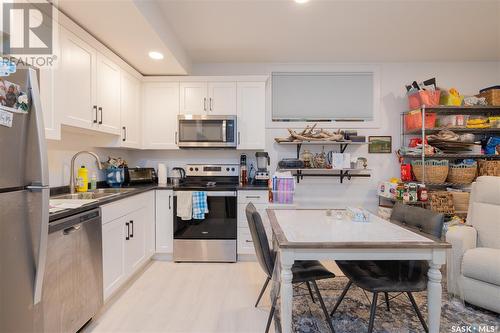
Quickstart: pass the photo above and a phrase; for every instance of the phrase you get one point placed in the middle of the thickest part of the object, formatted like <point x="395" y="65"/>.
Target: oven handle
<point x="218" y="193"/>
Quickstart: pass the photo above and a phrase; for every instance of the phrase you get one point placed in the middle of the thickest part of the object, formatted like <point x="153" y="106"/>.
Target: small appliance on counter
<point x="136" y="176"/>
<point x="243" y="170"/>
<point x="178" y="176"/>
<point x="262" y="174"/>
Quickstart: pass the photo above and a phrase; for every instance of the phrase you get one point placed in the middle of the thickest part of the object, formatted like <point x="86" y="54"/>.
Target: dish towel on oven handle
<point x="185" y="205"/>
<point x="200" y="205"/>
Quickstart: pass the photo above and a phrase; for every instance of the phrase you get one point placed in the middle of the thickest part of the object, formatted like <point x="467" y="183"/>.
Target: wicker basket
<point x="489" y="168"/>
<point x="436" y="171"/>
<point x="462" y="174"/>
<point x="460" y="201"/>
<point x="442" y="202"/>
<point x="492" y="96"/>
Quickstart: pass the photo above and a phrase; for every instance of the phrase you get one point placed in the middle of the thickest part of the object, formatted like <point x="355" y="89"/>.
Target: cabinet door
<point x="164" y="221"/>
<point x="113" y="255"/>
<point x="193" y="98"/>
<point x="221" y="98"/>
<point x="130" y="94"/>
<point x="75" y="82"/>
<point x="50" y="116"/>
<point x="161" y="108"/>
<point x="108" y="95"/>
<point x="135" y="246"/>
<point x="251" y="115"/>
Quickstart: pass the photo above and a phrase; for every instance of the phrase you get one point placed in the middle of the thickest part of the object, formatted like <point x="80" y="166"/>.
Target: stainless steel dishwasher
<point x="72" y="292"/>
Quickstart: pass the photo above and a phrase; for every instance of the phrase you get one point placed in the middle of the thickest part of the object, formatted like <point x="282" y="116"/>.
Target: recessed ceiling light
<point x="301" y="1"/>
<point x="155" y="55"/>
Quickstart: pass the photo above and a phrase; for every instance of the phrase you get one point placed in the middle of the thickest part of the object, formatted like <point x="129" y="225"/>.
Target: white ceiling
<point x="202" y="31"/>
<point x="336" y="31"/>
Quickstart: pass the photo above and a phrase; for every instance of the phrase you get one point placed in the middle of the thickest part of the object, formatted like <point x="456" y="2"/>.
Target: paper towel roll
<point x="162" y="174"/>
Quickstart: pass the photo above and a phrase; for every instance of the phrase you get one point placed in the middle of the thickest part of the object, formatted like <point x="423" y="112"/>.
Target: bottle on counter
<point x="93" y="182"/>
<point x="243" y="170"/>
<point x="82" y="180"/>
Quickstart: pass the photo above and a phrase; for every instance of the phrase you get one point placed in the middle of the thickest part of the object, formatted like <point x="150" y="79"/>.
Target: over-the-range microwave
<point x="207" y="131"/>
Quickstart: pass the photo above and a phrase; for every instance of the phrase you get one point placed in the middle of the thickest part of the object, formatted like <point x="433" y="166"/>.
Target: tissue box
<point x="357" y="214"/>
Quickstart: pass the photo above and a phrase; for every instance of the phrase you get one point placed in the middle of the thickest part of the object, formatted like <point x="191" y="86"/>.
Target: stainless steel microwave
<point x="201" y="131"/>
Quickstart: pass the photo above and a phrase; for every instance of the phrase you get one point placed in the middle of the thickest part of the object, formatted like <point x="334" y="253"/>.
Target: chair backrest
<point x="259" y="238"/>
<point x="422" y="219"/>
<point x="484" y="211"/>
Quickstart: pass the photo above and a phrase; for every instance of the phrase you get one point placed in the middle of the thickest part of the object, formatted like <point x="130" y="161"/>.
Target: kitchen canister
<point x="162" y="174"/>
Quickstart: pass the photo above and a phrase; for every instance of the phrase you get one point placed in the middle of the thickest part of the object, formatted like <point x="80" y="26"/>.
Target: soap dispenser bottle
<point x="82" y="181"/>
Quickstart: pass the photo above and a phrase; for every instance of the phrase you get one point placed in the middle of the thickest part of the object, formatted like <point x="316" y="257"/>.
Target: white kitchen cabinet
<point x="113" y="255"/>
<point x="75" y="82"/>
<point x="208" y="98"/>
<point x="251" y="115"/>
<point x="164" y="221"/>
<point x="108" y="95"/>
<point x="193" y="98"/>
<point x="130" y="99"/>
<point x="47" y="92"/>
<point x="127" y="238"/>
<point x="160" y="111"/>
<point x="260" y="200"/>
<point x="135" y="245"/>
<point x="221" y="98"/>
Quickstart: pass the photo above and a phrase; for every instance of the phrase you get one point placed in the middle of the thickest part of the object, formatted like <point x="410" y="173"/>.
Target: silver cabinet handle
<point x="204" y="104"/>
<point x="211" y="103"/>
<point x="239" y="140"/>
<point x="132" y="227"/>
<point x="248" y="241"/>
<point x="124" y="134"/>
<point x="128" y="231"/>
<point x="252" y="196"/>
<point x="175" y="138"/>
<point x="169" y="203"/>
<point x="95" y="110"/>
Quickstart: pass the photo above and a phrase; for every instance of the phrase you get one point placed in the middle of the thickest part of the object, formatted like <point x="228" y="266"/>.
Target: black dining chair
<point x="307" y="272"/>
<point x="389" y="276"/>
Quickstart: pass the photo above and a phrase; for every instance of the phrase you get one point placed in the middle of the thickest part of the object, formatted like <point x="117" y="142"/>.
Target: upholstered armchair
<point x="473" y="265"/>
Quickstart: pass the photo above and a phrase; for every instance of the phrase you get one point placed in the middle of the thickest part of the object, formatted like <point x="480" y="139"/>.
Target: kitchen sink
<point x="98" y="194"/>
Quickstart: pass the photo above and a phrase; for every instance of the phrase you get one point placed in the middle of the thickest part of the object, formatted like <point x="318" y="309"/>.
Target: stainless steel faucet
<point x="72" y="179"/>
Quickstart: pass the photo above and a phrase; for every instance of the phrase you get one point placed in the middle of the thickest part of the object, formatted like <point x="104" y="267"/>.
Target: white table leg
<point x="434" y="292"/>
<point x="286" y="292"/>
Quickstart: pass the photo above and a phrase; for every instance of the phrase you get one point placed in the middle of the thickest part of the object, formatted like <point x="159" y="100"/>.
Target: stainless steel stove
<point x="212" y="239"/>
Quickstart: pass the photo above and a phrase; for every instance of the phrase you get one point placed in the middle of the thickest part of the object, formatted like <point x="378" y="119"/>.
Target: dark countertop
<point x="138" y="189"/>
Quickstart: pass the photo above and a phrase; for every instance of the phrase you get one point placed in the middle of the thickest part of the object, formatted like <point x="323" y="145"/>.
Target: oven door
<point x="207" y="131"/>
<point x="219" y="223"/>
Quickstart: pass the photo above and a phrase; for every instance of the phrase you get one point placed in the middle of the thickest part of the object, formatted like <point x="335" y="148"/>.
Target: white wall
<point x="467" y="77"/>
<point x="61" y="152"/>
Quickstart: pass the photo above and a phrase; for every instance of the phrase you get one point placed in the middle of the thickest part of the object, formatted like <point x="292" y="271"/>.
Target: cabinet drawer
<point x="117" y="209"/>
<point x="261" y="209"/>
<point x="254" y="197"/>
<point x="245" y="243"/>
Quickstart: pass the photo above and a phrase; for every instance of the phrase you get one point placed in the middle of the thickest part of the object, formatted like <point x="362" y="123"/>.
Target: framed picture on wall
<point x="380" y="144"/>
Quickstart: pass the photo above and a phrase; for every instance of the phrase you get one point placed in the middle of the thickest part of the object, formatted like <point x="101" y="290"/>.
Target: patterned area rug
<point x="353" y="313"/>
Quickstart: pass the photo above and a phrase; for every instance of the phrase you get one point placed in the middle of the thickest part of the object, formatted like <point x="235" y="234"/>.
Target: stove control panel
<point x="219" y="170"/>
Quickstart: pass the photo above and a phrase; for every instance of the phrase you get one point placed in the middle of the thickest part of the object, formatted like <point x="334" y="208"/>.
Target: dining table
<point x="324" y="234"/>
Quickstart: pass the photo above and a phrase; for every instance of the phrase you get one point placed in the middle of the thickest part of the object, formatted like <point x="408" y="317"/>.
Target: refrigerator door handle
<point x="42" y="244"/>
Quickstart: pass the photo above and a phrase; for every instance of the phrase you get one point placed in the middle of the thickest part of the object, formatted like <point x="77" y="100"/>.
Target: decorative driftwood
<point x="311" y="134"/>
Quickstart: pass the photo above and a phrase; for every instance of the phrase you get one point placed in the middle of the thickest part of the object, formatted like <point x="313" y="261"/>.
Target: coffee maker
<point x="262" y="174"/>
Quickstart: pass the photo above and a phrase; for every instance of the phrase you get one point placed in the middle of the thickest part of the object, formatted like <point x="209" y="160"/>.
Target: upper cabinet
<point x="160" y="111"/>
<point x="208" y="98"/>
<point x="251" y="115"/>
<point x="75" y="82"/>
<point x="108" y="95"/>
<point x="130" y="105"/>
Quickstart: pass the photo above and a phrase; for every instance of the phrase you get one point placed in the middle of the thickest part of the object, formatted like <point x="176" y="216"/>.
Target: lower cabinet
<point x="127" y="239"/>
<point x="260" y="200"/>
<point x="164" y="221"/>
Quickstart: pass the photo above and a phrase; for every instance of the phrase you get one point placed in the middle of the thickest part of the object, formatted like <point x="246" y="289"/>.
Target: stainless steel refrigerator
<point x="24" y="207"/>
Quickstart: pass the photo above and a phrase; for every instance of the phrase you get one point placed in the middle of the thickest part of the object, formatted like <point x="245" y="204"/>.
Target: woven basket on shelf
<point x="489" y="168"/>
<point x="436" y="171"/>
<point x="442" y="202"/>
<point x="460" y="201"/>
<point x="492" y="96"/>
<point x="462" y="174"/>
